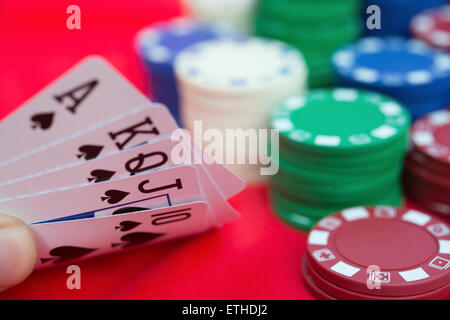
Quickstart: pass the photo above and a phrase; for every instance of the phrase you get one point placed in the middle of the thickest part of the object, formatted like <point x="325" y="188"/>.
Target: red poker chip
<point x="416" y="190"/>
<point x="410" y="250"/>
<point x="322" y="286"/>
<point x="433" y="206"/>
<point x="312" y="286"/>
<point x="416" y="182"/>
<point x="433" y="27"/>
<point x="429" y="200"/>
<point x="431" y="135"/>
<point x="425" y="174"/>
<point x="429" y="163"/>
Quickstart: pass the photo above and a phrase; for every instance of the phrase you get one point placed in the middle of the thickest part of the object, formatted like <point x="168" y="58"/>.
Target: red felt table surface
<point x="256" y="257"/>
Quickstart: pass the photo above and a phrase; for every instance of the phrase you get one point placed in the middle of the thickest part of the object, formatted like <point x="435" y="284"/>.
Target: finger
<point x="17" y="251"/>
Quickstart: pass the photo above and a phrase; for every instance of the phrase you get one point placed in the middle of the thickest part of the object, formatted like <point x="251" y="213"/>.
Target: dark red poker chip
<point x="429" y="200"/>
<point x="328" y="290"/>
<point x="312" y="286"/>
<point x="433" y="206"/>
<point x="415" y="182"/>
<point x="424" y="173"/>
<point x="406" y="252"/>
<point x="431" y="136"/>
<point x="419" y="185"/>
<point x="433" y="27"/>
<point x="429" y="163"/>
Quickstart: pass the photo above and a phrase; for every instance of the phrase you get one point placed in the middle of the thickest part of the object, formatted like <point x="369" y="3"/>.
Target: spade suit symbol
<point x="42" y="121"/>
<point x="66" y="253"/>
<point x="89" y="151"/>
<point x="135" y="238"/>
<point x="100" y="175"/>
<point x="114" y="196"/>
<point x="125" y="226"/>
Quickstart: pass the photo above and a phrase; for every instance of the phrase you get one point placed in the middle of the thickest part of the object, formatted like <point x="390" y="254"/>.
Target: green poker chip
<point x="324" y="35"/>
<point x="294" y="218"/>
<point x="338" y="148"/>
<point x="339" y="194"/>
<point x="303" y="216"/>
<point x="288" y="171"/>
<point x="340" y="120"/>
<point x="365" y="163"/>
<point x="310" y="10"/>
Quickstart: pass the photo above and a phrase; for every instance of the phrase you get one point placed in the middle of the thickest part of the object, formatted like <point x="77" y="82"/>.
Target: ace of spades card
<point x="93" y="172"/>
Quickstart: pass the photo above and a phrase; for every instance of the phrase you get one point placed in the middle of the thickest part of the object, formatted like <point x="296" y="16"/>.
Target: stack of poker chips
<point x="395" y="15"/>
<point x="427" y="166"/>
<point x="233" y="84"/>
<point x="433" y="27"/>
<point x="158" y="45"/>
<point x="316" y="28"/>
<point x="378" y="253"/>
<point x="406" y="69"/>
<point x="235" y="13"/>
<point x="338" y="148"/>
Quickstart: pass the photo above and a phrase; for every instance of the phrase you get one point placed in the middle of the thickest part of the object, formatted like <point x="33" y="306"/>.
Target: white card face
<point x="149" y="156"/>
<point x="69" y="241"/>
<point x="164" y="187"/>
<point x="87" y="94"/>
<point x="135" y="127"/>
<point x="230" y="183"/>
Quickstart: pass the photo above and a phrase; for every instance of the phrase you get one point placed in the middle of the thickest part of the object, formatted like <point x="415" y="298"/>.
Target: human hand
<point x="17" y="251"/>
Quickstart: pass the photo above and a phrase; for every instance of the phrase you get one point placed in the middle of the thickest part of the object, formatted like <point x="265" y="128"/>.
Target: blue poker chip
<point x="158" y="45"/>
<point x="393" y="62"/>
<point x="419" y="109"/>
<point x="397" y="14"/>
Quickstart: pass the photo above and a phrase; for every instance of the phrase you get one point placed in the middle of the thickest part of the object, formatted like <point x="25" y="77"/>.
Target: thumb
<point x="17" y="251"/>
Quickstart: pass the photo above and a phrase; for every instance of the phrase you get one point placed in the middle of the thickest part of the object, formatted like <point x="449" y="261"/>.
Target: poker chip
<point x="312" y="286"/>
<point x="427" y="166"/>
<point x="433" y="27"/>
<point x="235" y="83"/>
<point x="338" y="148"/>
<point x="431" y="136"/>
<point x="310" y="10"/>
<point x="379" y="252"/>
<point x="316" y="28"/>
<point x="326" y="290"/>
<point x="235" y="13"/>
<point x="396" y="15"/>
<point x="340" y="120"/>
<point x="158" y="45"/>
<point x="243" y="65"/>
<point x="408" y="70"/>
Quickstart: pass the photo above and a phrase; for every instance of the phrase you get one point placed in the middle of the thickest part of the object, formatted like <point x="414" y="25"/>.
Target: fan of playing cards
<point x="89" y="164"/>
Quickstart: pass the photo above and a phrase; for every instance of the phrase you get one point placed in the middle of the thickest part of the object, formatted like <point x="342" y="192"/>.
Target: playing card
<point x="163" y="187"/>
<point x="148" y="156"/>
<point x="108" y="180"/>
<point x="60" y="242"/>
<point x="136" y="126"/>
<point x="82" y="97"/>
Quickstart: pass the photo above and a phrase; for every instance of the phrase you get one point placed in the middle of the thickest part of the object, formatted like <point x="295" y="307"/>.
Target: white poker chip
<point x="241" y="66"/>
<point x="223" y="122"/>
<point x="236" y="13"/>
<point x="235" y="106"/>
